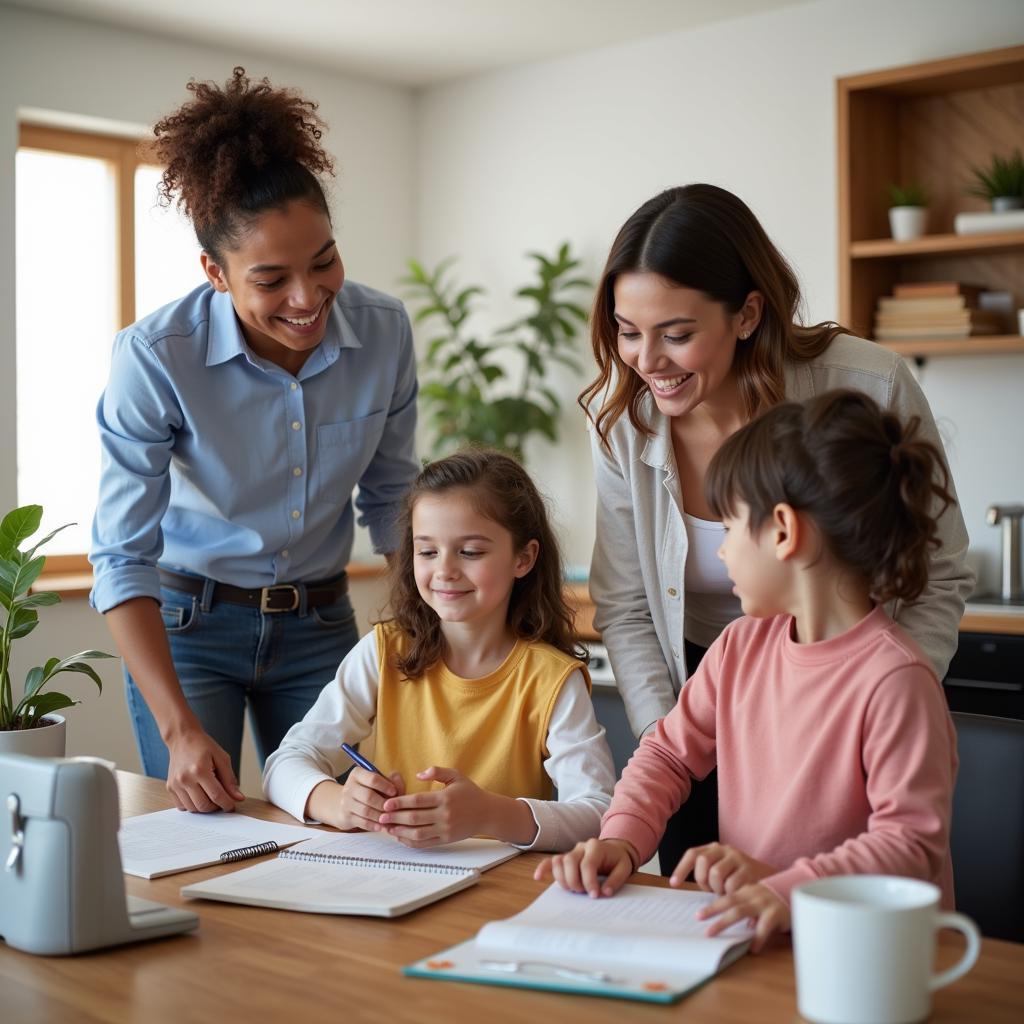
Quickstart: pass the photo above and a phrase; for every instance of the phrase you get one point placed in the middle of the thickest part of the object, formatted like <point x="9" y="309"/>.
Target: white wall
<point x="76" y="69"/>
<point x="493" y="166"/>
<point x="567" y="149"/>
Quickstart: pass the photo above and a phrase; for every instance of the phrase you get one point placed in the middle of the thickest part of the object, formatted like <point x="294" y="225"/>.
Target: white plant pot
<point x="907" y="222"/>
<point x="48" y="740"/>
<point x="1003" y="203"/>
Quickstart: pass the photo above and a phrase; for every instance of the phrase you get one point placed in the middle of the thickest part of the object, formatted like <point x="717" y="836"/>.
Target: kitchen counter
<point x="979" y="618"/>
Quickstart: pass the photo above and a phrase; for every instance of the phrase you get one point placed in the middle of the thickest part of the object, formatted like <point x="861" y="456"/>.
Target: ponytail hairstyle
<point x="231" y="154"/>
<point x="502" y="491"/>
<point x="873" y="486"/>
<point x="705" y="238"/>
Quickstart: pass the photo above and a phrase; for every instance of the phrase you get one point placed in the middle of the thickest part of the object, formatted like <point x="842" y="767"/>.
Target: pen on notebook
<point x="360" y="760"/>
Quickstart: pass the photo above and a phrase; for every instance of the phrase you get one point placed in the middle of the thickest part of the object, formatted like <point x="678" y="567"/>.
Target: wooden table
<point x="246" y="965"/>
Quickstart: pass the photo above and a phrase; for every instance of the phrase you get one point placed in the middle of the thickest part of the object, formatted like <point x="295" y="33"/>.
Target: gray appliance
<point x="61" y="886"/>
<point x="986" y="675"/>
<point x="608" y="707"/>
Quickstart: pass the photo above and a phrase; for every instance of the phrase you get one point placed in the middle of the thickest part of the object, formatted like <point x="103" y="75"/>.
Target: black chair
<point x="987" y="837"/>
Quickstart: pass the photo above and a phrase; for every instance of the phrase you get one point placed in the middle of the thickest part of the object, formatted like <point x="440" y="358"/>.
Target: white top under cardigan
<point x="636" y="577"/>
<point x="710" y="603"/>
<point x="579" y="762"/>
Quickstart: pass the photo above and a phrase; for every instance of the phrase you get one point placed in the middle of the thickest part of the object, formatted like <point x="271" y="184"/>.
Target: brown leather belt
<point x="281" y="597"/>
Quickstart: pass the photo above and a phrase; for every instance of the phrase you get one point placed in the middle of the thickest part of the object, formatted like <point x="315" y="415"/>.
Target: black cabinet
<point x="986" y="675"/>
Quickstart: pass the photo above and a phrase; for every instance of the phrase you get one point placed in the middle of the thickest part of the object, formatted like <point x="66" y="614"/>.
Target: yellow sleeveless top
<point x="492" y="729"/>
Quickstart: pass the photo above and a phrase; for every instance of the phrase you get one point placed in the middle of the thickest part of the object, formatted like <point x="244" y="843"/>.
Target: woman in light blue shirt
<point x="235" y="426"/>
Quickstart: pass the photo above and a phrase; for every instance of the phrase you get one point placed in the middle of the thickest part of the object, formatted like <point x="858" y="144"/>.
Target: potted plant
<point x="30" y="725"/>
<point x="1001" y="183"/>
<point x="908" y="213"/>
<point x="465" y="383"/>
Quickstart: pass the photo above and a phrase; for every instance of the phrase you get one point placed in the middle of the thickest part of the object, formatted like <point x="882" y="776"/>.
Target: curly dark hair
<point x="231" y="153"/>
<point x="502" y="491"/>
<point x="873" y="486"/>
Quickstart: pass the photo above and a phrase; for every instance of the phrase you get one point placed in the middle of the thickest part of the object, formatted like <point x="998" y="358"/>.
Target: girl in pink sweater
<point x="835" y="750"/>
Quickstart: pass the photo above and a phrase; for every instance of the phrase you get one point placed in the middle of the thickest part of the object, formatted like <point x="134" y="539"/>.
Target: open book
<point x="166" y="842"/>
<point x="642" y="943"/>
<point x="356" y="873"/>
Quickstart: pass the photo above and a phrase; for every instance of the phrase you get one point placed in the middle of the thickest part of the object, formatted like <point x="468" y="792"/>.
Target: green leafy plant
<point x="911" y="194"/>
<point x="465" y="387"/>
<point x="18" y="571"/>
<point x="1004" y="176"/>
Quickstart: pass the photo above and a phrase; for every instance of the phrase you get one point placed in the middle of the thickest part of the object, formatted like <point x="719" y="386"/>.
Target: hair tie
<point x="896" y="453"/>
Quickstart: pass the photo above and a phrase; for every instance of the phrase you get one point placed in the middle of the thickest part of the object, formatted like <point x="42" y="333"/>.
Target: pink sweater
<point x="833" y="758"/>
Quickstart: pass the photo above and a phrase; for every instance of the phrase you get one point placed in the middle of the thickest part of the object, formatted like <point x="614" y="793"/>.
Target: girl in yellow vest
<point x="476" y="690"/>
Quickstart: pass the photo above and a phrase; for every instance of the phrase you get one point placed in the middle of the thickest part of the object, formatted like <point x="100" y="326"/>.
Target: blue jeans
<point x="229" y="657"/>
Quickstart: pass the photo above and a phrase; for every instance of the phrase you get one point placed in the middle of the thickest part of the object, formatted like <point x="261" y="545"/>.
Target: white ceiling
<point x="408" y="42"/>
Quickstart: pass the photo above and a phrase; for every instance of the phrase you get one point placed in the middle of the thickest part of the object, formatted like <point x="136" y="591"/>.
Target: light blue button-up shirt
<point x="224" y="464"/>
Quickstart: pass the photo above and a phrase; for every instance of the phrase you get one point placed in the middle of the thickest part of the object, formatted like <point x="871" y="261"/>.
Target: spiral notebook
<point x="355" y="873"/>
<point x="166" y="842"/>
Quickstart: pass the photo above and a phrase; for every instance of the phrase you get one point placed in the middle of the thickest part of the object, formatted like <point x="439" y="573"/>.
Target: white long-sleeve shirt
<point x="579" y="762"/>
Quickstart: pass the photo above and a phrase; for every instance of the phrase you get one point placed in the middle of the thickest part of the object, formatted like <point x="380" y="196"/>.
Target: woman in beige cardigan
<point x="694" y="331"/>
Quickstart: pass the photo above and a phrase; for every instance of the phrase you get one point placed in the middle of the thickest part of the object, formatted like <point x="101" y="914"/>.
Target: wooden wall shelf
<point x="929" y="123"/>
<point x="979" y="345"/>
<point x="932" y="245"/>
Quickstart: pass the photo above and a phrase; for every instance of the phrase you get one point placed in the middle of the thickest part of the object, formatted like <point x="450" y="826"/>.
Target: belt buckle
<point x="267" y="595"/>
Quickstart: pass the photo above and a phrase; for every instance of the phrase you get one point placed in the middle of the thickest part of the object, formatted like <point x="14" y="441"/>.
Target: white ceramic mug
<point x="864" y="947"/>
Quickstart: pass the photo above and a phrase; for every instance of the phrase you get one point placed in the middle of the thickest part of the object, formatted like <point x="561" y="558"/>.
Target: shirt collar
<point x="226" y="340"/>
<point x="657" y="451"/>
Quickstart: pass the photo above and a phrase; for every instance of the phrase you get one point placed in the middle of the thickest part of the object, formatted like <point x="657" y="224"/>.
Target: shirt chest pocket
<point x="343" y="451"/>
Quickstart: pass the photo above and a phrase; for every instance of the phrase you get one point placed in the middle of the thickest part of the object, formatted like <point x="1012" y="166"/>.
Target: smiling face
<point x="679" y="341"/>
<point x="282" y="279"/>
<point x="465" y="563"/>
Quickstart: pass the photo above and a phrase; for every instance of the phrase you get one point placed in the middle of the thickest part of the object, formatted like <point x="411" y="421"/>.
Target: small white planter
<point x="907" y="222"/>
<point x="1000" y="204"/>
<point x="48" y="740"/>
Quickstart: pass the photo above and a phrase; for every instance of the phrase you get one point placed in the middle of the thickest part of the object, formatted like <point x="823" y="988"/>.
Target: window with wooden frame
<point x="94" y="251"/>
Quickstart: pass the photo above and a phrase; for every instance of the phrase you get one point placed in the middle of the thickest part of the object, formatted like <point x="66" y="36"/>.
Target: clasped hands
<point x="380" y="803"/>
<point x="716" y="867"/>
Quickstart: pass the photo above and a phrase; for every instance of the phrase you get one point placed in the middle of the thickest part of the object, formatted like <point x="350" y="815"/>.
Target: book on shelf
<point x="944" y="304"/>
<point x="954" y="318"/>
<point x="936" y="289"/>
<point x="983" y="223"/>
<point x="955" y="315"/>
<point x="355" y="873"/>
<point x="973" y="321"/>
<point x="643" y="943"/>
<point x="929" y="331"/>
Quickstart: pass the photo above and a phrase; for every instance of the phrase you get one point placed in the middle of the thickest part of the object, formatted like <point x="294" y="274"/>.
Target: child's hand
<point x="578" y="870"/>
<point x="758" y="902"/>
<point x="363" y="797"/>
<point x="460" y="810"/>
<point x="719" y="868"/>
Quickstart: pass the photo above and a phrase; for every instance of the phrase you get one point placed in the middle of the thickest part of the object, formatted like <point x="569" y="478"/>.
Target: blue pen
<point x="360" y="760"/>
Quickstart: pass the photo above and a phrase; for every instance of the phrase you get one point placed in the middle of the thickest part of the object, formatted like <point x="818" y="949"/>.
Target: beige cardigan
<point x="636" y="576"/>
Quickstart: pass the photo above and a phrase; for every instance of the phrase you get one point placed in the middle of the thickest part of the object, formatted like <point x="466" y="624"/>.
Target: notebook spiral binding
<point x="244" y="852"/>
<point x="376" y="862"/>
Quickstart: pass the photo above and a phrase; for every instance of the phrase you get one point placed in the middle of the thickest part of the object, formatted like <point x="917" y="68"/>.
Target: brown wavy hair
<point x="873" y="486"/>
<point x="705" y="238"/>
<point x="501" y="490"/>
<point x="233" y="152"/>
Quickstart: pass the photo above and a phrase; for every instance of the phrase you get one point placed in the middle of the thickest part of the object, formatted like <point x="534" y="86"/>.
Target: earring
<point x="745" y="335"/>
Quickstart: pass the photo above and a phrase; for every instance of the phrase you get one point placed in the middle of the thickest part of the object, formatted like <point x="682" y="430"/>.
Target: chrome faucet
<point x="1010" y="517"/>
